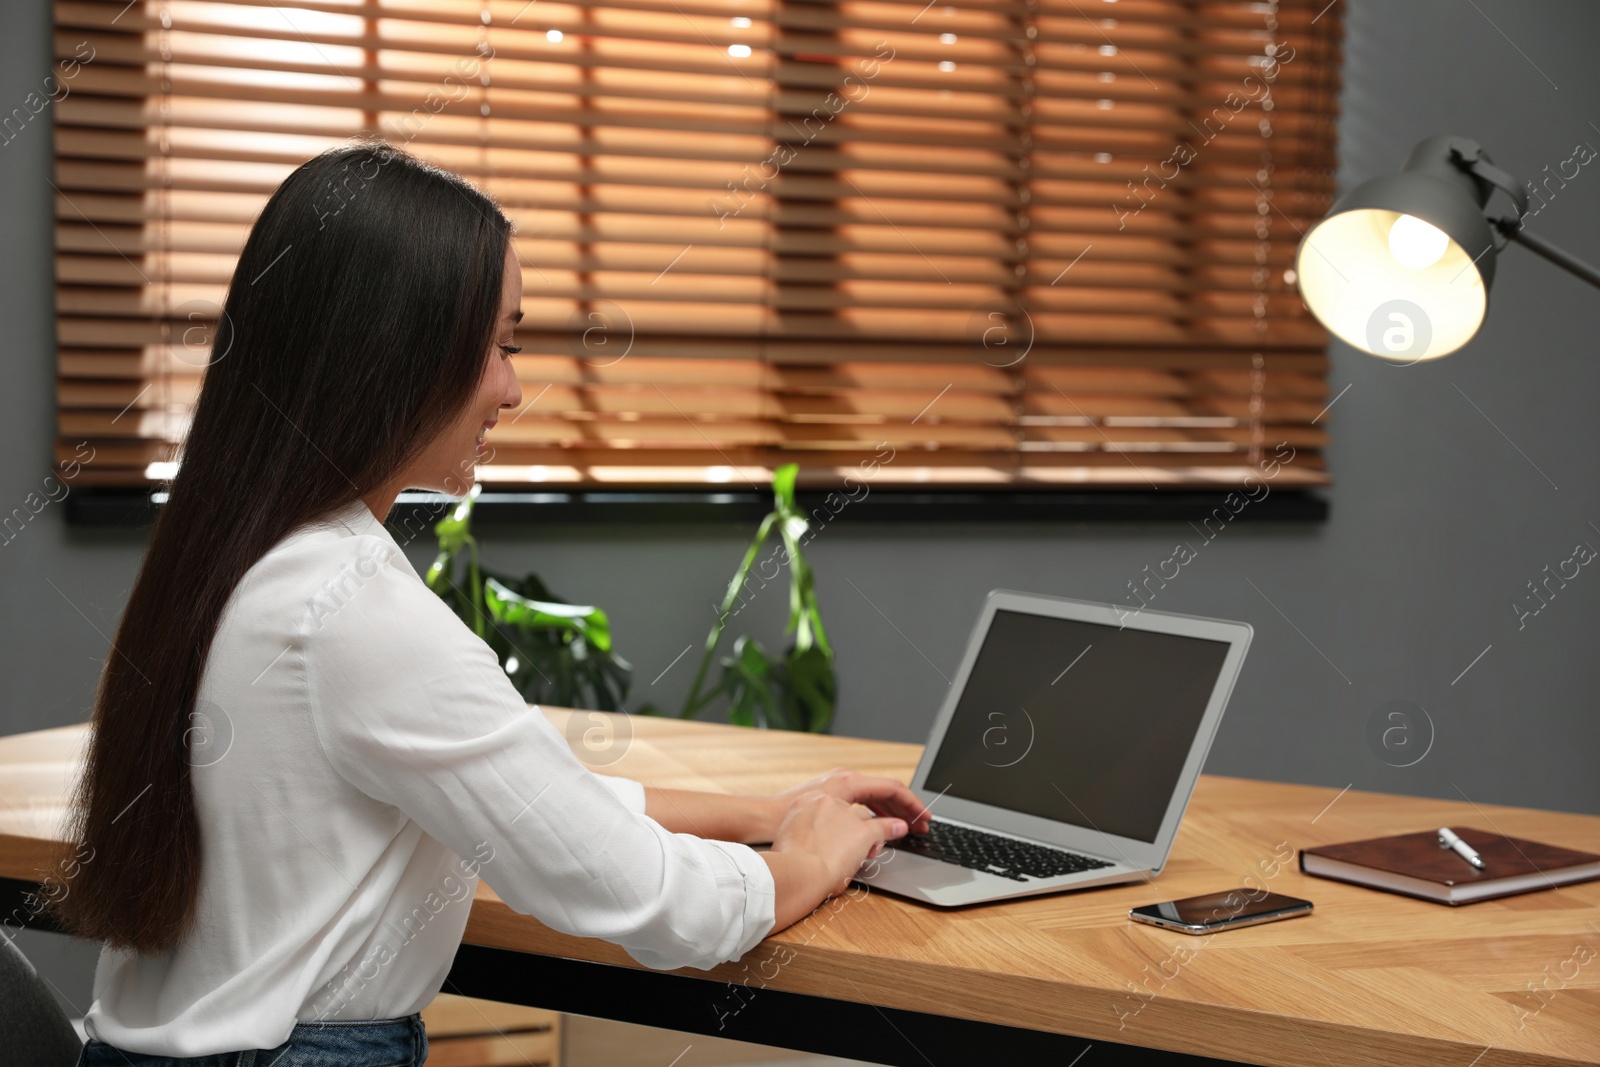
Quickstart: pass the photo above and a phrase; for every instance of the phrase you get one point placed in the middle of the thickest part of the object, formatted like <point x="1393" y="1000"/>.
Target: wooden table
<point x="1369" y="979"/>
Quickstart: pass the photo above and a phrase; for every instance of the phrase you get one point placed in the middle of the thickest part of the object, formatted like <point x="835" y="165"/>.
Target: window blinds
<point x="1012" y="243"/>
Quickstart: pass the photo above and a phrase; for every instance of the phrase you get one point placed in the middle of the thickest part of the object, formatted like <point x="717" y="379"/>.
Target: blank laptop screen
<point x="1078" y="722"/>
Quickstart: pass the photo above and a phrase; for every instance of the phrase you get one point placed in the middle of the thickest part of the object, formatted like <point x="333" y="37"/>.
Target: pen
<point x="1448" y="839"/>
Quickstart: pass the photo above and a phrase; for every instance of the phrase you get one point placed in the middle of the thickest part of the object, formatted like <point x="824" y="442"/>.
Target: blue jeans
<point x="377" y="1043"/>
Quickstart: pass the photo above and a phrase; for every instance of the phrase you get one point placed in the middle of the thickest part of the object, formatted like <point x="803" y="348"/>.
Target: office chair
<point x="34" y="1031"/>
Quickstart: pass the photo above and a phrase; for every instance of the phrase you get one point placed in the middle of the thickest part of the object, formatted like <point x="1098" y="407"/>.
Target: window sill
<point x="134" y="508"/>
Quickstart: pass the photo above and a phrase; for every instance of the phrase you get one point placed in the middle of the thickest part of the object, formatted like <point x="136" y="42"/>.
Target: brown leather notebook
<point x="1417" y="866"/>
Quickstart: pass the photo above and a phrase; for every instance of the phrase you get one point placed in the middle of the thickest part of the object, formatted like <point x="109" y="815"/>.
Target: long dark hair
<point x="354" y="330"/>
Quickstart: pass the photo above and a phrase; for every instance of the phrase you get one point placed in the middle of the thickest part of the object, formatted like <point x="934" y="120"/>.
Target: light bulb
<point x="1416" y="244"/>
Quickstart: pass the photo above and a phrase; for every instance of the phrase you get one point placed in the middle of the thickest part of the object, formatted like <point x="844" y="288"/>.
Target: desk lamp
<point x="1401" y="265"/>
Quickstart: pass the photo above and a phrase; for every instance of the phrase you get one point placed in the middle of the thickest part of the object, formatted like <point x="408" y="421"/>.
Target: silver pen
<point x="1448" y="839"/>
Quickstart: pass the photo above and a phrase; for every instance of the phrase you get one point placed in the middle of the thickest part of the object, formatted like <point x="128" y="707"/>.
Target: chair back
<point x="34" y="1031"/>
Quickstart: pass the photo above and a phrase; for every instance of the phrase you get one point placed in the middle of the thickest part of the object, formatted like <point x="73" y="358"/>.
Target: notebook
<point x="1416" y="865"/>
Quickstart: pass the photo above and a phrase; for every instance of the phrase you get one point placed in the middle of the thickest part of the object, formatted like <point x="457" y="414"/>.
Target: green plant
<point x="553" y="652"/>
<point x="793" y="691"/>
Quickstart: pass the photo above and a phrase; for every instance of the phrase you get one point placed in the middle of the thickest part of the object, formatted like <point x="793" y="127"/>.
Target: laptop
<point x="1066" y="751"/>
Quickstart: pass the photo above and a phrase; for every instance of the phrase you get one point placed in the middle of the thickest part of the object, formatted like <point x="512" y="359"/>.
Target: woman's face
<point x="448" y="463"/>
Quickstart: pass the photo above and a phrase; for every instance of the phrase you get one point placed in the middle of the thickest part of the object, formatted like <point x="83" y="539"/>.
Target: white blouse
<point x="360" y="758"/>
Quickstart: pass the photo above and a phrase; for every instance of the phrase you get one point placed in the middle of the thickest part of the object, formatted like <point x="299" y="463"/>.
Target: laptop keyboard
<point x="1003" y="856"/>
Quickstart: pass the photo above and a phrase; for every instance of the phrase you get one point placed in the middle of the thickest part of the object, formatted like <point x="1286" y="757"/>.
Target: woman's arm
<point x="748" y="820"/>
<point x="819" y="840"/>
<point x="820" y="833"/>
<point x="753" y="820"/>
<point x="413" y="710"/>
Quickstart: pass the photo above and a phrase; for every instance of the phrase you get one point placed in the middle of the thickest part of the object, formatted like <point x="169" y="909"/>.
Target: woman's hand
<point x="820" y="845"/>
<point x="885" y="796"/>
<point x="825" y="829"/>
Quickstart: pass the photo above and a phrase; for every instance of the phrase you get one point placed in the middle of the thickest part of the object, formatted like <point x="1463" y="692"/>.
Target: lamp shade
<point x="1401" y="265"/>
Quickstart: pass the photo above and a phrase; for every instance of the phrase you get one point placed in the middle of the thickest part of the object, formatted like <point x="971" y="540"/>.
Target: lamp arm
<point x="1512" y="229"/>
<point x="1468" y="156"/>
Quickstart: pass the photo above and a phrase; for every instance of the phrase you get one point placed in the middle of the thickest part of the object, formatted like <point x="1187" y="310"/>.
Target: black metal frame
<point x="734" y="1011"/>
<point x="103" y="506"/>
<point x="773" y="1017"/>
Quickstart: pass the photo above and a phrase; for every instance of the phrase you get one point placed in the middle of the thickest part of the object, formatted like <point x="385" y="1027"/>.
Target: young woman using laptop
<point x="301" y="761"/>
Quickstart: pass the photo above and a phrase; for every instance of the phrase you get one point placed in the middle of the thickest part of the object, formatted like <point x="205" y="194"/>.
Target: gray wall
<point x="1456" y="484"/>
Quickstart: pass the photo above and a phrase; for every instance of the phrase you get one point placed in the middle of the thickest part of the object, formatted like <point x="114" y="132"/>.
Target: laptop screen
<point x="1078" y="722"/>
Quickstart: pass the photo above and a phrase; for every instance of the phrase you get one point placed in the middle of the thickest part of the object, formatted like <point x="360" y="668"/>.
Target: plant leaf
<point x="697" y="697"/>
<point x="438" y="577"/>
<point x="783" y="487"/>
<point x="748" y="681"/>
<point x="454" y="529"/>
<point x="812" y="689"/>
<point x="513" y="608"/>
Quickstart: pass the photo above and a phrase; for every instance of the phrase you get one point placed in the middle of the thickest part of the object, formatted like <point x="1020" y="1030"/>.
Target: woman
<point x="301" y="759"/>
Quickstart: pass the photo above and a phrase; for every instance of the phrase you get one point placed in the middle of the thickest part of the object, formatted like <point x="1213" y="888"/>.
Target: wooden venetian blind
<point x="1015" y="242"/>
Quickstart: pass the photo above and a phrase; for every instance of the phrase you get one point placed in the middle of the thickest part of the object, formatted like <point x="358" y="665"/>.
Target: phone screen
<point x="1220" y="908"/>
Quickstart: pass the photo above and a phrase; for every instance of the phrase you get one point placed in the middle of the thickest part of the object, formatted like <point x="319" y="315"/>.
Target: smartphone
<point x="1221" y="911"/>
